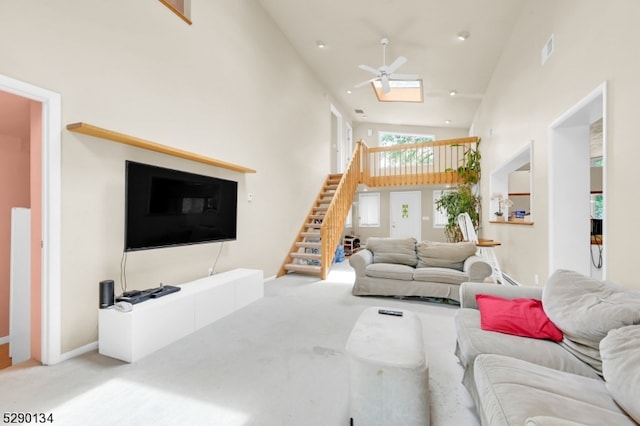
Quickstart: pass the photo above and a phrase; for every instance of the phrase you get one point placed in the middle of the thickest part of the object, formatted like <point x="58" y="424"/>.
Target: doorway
<point x="45" y="333"/>
<point x="337" y="142"/>
<point x="405" y="214"/>
<point x="569" y="184"/>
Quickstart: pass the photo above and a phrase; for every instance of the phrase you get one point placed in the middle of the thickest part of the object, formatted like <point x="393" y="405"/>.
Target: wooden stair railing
<point x="321" y="231"/>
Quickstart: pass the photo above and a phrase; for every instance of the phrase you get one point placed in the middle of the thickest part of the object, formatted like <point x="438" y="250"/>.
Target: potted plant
<point x="462" y="199"/>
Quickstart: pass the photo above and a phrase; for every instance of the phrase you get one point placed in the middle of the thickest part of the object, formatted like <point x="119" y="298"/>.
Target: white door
<point x="405" y="214"/>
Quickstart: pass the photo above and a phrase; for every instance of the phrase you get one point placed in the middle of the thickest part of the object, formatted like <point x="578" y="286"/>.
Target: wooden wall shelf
<point x="511" y="222"/>
<point x="98" y="132"/>
<point x="177" y="11"/>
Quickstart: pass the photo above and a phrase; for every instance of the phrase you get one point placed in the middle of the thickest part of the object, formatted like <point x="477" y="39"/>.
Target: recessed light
<point x="452" y="93"/>
<point x="463" y="35"/>
<point x="321" y="44"/>
<point x="447" y="122"/>
<point x="365" y="117"/>
<point x="349" y="92"/>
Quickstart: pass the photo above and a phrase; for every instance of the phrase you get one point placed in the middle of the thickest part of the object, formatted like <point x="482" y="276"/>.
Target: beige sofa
<point x="404" y="267"/>
<point x="591" y="377"/>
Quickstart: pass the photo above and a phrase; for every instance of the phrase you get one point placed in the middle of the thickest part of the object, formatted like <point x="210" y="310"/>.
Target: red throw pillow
<point x="520" y="317"/>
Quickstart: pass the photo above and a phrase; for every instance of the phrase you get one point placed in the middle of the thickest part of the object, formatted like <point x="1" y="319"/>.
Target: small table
<point x="388" y="371"/>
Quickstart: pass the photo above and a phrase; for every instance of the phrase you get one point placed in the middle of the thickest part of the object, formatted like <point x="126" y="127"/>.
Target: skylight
<point x="401" y="91"/>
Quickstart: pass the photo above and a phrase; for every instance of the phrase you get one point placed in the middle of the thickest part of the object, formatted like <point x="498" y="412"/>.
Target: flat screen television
<point x="165" y="207"/>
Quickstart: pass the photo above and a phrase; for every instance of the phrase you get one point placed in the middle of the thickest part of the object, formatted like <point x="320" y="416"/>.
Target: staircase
<point x="305" y="256"/>
<point x="313" y="250"/>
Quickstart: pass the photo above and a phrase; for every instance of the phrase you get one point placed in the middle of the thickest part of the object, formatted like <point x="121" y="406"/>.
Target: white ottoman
<point x="388" y="372"/>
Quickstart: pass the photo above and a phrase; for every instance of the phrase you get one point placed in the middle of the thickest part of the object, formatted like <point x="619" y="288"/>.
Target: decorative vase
<point x="499" y="218"/>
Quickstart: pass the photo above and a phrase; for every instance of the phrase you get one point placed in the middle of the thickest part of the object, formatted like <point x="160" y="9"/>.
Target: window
<point x="440" y="217"/>
<point x="401" y="91"/>
<point x="423" y="155"/>
<point x="597" y="206"/>
<point x="369" y="208"/>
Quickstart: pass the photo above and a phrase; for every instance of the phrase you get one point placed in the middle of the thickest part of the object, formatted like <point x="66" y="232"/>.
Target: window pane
<point x="440" y="217"/>
<point x="422" y="155"/>
<point x="369" y="209"/>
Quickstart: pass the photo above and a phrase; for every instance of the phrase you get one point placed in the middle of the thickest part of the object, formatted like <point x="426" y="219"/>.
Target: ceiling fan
<point x="386" y="73"/>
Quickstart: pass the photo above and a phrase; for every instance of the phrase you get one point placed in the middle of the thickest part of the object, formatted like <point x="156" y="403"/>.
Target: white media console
<point x="156" y="323"/>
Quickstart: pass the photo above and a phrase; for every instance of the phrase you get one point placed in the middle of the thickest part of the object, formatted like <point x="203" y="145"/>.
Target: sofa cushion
<point x="511" y="391"/>
<point x="472" y="341"/>
<point x="393" y="250"/>
<point x="440" y="275"/>
<point x="444" y="255"/>
<point x="586" y="310"/>
<point x="390" y="270"/>
<point x="520" y="317"/>
<point x="620" y="351"/>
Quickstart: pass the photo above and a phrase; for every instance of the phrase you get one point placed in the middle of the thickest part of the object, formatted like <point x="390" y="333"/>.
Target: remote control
<point x="390" y="312"/>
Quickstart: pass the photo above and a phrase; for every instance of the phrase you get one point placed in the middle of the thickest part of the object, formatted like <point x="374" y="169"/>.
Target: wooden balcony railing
<point x="426" y="163"/>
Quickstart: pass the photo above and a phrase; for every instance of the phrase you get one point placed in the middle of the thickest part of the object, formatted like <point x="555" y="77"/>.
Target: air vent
<point x="547" y="50"/>
<point x="359" y="111"/>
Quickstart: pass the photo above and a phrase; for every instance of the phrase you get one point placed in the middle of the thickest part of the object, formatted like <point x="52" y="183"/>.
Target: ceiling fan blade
<point x="396" y="64"/>
<point x="364" y="83"/>
<point x="368" y="68"/>
<point x="396" y="76"/>
<point x="386" y="88"/>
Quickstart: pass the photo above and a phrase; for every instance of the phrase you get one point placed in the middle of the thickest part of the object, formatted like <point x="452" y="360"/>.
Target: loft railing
<point x="401" y="165"/>
<point x="425" y="163"/>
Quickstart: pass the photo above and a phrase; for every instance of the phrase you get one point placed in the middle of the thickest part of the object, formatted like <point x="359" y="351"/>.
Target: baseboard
<point x="271" y="278"/>
<point x="93" y="346"/>
<point x="5" y="339"/>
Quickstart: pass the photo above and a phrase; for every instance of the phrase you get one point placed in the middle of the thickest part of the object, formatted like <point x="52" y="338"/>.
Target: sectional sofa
<point x="564" y="354"/>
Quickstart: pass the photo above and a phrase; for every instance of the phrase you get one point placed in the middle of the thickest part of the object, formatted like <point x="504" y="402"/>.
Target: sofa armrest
<point x="477" y="269"/>
<point x="468" y="292"/>
<point x="360" y="260"/>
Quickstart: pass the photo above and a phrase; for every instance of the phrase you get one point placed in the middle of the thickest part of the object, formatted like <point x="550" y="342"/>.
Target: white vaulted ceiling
<point x="424" y="31"/>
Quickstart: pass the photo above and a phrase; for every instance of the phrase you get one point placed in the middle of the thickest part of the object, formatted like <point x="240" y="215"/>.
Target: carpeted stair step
<point x="306" y="256"/>
<point x="310" y="234"/>
<point x="309" y="245"/>
<point x="303" y="269"/>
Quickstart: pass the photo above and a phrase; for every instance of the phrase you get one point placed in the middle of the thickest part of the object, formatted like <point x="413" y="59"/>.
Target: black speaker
<point x="106" y="294"/>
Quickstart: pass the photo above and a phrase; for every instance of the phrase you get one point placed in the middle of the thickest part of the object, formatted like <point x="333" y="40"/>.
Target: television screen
<point x="166" y="207"/>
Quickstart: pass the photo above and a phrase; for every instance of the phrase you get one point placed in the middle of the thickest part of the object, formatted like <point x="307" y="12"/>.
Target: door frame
<point x="567" y="135"/>
<point x="51" y="213"/>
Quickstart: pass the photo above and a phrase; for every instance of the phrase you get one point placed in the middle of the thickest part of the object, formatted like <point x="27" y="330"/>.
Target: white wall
<point x="594" y="42"/>
<point x="230" y="86"/>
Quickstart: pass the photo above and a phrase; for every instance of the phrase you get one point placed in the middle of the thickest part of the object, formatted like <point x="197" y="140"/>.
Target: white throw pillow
<point x="620" y="352"/>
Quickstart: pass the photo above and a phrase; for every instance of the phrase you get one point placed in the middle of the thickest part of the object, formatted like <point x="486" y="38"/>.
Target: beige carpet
<point x="277" y="362"/>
